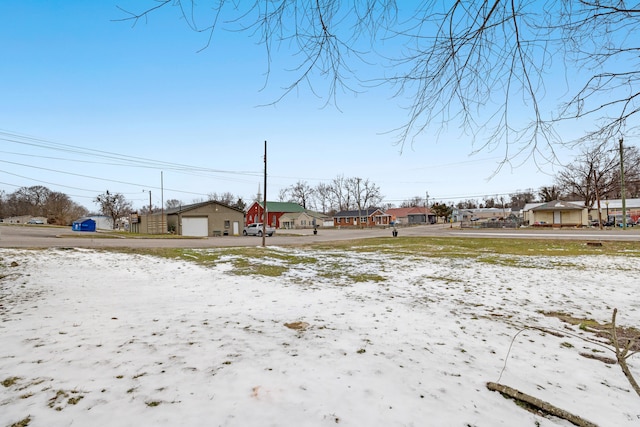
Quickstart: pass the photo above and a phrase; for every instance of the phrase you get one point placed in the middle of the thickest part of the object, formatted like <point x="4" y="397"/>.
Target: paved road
<point x="32" y="236"/>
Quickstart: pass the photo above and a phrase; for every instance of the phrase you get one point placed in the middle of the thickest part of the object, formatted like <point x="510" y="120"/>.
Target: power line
<point x="127" y="159"/>
<point x="107" y="158"/>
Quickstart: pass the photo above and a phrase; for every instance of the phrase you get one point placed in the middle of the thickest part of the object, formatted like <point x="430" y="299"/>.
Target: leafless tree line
<point x="342" y="193"/>
<point x="594" y="173"/>
<point x="39" y="201"/>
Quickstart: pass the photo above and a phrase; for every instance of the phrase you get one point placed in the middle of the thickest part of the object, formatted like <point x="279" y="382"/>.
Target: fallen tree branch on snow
<point x="623" y="354"/>
<point x="539" y="404"/>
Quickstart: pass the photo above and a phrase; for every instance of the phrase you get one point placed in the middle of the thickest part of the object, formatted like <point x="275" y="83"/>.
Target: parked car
<point x="255" y="229"/>
<point x="35" y="221"/>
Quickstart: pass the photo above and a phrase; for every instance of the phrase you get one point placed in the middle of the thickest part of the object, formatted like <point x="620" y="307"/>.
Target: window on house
<point x="348" y="220"/>
<point x="363" y="219"/>
<point x="227" y="223"/>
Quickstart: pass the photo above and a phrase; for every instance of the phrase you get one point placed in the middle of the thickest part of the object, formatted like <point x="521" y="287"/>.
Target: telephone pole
<point x="426" y="208"/>
<point x="264" y="207"/>
<point x="624" y="203"/>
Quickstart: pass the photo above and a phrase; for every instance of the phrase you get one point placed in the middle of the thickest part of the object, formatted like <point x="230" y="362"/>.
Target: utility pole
<point x="595" y="184"/>
<point x="624" y="203"/>
<point x="162" y="229"/>
<point x="264" y="207"/>
<point x="359" y="205"/>
<point x="148" y="213"/>
<point x="426" y="208"/>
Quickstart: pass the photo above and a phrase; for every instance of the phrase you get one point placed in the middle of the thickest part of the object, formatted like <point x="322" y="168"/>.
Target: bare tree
<point x="172" y="204"/>
<point x="631" y="161"/>
<point x="58" y="208"/>
<point x="413" y="202"/>
<point x="229" y="199"/>
<point x="283" y="195"/>
<point x="549" y="194"/>
<point x="365" y="193"/>
<point x="226" y="198"/>
<point x="468" y="204"/>
<point x="3" y="204"/>
<point x="490" y="202"/>
<point x="340" y="197"/>
<point x="29" y="201"/>
<point x="465" y="62"/>
<point x="598" y="168"/>
<point x="61" y="210"/>
<point x="521" y="198"/>
<point x="301" y="193"/>
<point x="113" y="205"/>
<point x="322" y="197"/>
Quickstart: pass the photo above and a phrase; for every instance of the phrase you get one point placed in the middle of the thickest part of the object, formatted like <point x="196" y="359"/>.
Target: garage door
<point x="195" y="227"/>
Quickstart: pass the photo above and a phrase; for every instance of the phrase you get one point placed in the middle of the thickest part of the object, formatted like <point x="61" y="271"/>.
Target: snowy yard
<point x="341" y="338"/>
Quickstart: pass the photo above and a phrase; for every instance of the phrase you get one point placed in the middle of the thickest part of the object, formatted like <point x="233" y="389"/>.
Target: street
<point x="30" y="236"/>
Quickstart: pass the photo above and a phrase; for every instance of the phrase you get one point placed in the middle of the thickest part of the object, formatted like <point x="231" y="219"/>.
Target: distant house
<point x="489" y="213"/>
<point x="275" y="210"/>
<point x="305" y="219"/>
<point x="557" y="213"/>
<point x="370" y="217"/>
<point x="412" y="215"/>
<point x="21" y="219"/>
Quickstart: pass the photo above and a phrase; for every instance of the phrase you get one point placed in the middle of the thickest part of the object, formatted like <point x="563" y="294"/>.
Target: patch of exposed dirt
<point x="297" y="326"/>
<point x="601" y="330"/>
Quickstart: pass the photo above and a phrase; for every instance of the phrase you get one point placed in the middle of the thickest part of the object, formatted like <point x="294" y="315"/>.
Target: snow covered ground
<point x="109" y="339"/>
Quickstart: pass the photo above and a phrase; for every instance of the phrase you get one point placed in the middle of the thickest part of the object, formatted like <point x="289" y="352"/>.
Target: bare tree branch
<point x="488" y="68"/>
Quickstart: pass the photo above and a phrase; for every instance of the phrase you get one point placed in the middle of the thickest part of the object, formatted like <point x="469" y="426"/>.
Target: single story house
<point x="275" y="210"/>
<point x="305" y="219"/>
<point x="204" y="219"/>
<point x="412" y="215"/>
<point x="492" y="214"/>
<point x="557" y="213"/>
<point x="371" y="217"/>
<point x="20" y="219"/>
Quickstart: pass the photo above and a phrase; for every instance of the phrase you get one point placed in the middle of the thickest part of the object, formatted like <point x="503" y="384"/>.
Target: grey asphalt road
<point x="33" y="236"/>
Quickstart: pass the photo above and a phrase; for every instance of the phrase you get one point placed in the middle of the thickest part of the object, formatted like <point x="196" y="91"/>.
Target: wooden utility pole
<point x="162" y="229"/>
<point x="265" y="214"/>
<point x="595" y="184"/>
<point x="624" y="204"/>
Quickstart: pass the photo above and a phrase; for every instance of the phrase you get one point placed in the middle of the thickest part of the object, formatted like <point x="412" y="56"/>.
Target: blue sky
<point x="73" y="79"/>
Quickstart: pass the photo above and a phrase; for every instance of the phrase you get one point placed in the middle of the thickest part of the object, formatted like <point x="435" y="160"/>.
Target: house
<point x="557" y="213"/>
<point x="21" y="219"/>
<point x="275" y="210"/>
<point x="204" y="219"/>
<point x="412" y="215"/>
<point x="305" y="219"/>
<point x="370" y="217"/>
